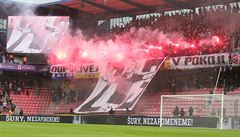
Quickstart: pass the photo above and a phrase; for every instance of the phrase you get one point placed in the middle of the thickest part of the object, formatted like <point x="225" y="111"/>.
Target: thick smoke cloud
<point x="228" y="19"/>
<point x="139" y="43"/>
<point x="17" y="9"/>
<point x="135" y="44"/>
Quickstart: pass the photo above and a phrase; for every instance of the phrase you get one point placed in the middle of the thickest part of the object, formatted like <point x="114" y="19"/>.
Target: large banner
<point x="205" y="122"/>
<point x="198" y="61"/>
<point x="120" y="85"/>
<point x="35" y="34"/>
<point x="209" y="122"/>
<point x="71" y="71"/>
<point x="37" y="118"/>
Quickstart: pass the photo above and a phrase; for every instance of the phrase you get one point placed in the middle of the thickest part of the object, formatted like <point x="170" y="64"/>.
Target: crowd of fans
<point x="17" y="86"/>
<point x="181" y="113"/>
<point x="63" y="93"/>
<point x="196" y="29"/>
<point x="193" y="27"/>
<point x="6" y="103"/>
<point x="25" y="86"/>
<point x="58" y="95"/>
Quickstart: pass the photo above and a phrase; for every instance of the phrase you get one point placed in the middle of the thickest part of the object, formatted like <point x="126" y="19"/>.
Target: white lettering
<point x="15" y="118"/>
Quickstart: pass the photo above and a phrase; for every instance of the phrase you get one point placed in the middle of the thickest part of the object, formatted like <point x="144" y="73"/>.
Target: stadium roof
<point x="38" y="2"/>
<point x="116" y="8"/>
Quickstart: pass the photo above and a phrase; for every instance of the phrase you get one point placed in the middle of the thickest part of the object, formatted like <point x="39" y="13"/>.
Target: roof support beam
<point x="107" y="8"/>
<point x="74" y="10"/>
<point x="139" y="5"/>
<point x="181" y="5"/>
<point x="190" y="4"/>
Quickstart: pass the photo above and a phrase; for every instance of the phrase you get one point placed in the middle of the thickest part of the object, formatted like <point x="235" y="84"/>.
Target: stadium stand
<point x="32" y="104"/>
<point x="195" y="27"/>
<point x="149" y="103"/>
<point x="60" y="108"/>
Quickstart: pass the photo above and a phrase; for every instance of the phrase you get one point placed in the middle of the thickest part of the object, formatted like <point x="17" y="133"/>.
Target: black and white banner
<point x="155" y="121"/>
<point x="198" y="61"/>
<point x="120" y="86"/>
<point x="37" y="118"/>
<point x="35" y="34"/>
<point x="209" y="122"/>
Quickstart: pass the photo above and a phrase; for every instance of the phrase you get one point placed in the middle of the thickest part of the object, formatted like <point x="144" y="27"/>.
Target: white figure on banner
<point x="120" y="86"/>
<point x="21" y="35"/>
<point x="35" y="34"/>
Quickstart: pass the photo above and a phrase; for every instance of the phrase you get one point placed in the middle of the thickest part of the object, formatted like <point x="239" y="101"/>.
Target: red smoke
<point x="119" y="56"/>
<point x="61" y="55"/>
<point x="215" y="40"/>
<point x="135" y="44"/>
<point x="84" y="54"/>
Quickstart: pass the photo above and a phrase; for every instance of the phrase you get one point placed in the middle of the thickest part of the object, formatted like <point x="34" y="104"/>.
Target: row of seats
<point x="41" y="103"/>
<point x="149" y="103"/>
<point x="32" y="103"/>
<point x="60" y="107"/>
